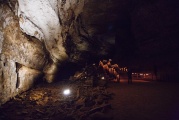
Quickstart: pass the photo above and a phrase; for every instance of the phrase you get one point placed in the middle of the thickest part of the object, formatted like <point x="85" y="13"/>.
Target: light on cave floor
<point x="102" y="78"/>
<point x="66" y="92"/>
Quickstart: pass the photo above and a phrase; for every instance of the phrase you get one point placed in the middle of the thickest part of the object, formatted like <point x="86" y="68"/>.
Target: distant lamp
<point x="102" y="78"/>
<point x="66" y="92"/>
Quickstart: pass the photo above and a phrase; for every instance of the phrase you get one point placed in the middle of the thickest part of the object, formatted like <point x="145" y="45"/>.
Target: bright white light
<point x="66" y="92"/>
<point x="102" y="78"/>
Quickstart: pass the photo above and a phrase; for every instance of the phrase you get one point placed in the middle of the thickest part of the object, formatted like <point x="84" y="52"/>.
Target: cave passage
<point x="118" y="59"/>
<point x="142" y="99"/>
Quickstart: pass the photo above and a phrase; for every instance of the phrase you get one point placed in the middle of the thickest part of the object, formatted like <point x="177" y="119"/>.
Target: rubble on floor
<point x="88" y="101"/>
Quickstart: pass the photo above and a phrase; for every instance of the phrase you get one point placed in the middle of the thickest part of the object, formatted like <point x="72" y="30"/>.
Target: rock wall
<point x="22" y="58"/>
<point x="39" y="18"/>
<point x="66" y="31"/>
<point x="37" y="36"/>
<point x="14" y="80"/>
<point x="86" y="29"/>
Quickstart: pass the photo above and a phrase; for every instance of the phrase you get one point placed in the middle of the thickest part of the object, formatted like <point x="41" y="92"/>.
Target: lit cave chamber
<point x="89" y="59"/>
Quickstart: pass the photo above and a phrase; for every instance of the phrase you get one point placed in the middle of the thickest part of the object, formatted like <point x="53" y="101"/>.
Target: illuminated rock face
<point x="37" y="36"/>
<point x="22" y="59"/>
<point x="39" y="18"/>
<point x="65" y="29"/>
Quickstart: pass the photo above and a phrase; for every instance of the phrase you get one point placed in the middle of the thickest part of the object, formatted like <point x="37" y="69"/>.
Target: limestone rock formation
<point x="38" y="36"/>
<point x="22" y="58"/>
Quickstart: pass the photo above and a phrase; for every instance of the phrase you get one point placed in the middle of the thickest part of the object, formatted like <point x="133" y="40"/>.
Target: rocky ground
<point x="93" y="98"/>
<point x="138" y="101"/>
<point x="47" y="102"/>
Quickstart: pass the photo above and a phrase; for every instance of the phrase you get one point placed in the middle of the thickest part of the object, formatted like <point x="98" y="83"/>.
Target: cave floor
<point x="142" y="100"/>
<point x="145" y="100"/>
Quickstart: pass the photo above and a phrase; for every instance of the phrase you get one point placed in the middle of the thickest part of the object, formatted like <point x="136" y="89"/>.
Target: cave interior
<point x="45" y="45"/>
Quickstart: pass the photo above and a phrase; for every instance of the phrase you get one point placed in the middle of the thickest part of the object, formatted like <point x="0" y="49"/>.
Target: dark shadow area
<point x="66" y="70"/>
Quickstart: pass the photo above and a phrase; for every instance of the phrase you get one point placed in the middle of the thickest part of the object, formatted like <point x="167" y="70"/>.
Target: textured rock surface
<point x="8" y="79"/>
<point x="22" y="58"/>
<point x="47" y="101"/>
<point x="36" y="37"/>
<point x="14" y="80"/>
<point x="41" y="35"/>
<point x="40" y="19"/>
<point x="85" y="30"/>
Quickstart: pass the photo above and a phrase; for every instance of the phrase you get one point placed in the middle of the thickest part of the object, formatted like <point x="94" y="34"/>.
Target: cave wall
<point x="39" y="36"/>
<point x="21" y="58"/>
<point x="86" y="29"/>
<point x="36" y="37"/>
